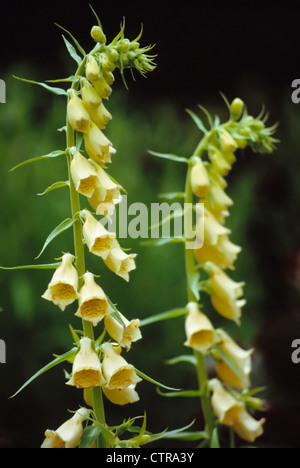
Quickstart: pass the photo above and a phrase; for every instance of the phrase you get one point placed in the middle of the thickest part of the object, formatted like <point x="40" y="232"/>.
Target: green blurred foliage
<point x="263" y="220"/>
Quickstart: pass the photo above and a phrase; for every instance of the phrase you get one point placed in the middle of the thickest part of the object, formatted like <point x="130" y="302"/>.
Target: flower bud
<point x="77" y="114"/>
<point x="83" y="175"/>
<point x="123" y="334"/>
<point x="117" y="372"/>
<point x="228" y="143"/>
<point x="219" y="162"/>
<point x="98" y="35"/>
<point x="62" y="290"/>
<point x="199" y="330"/>
<point x="93" y="303"/>
<point x="236" y="109"/>
<point x="86" y="367"/>
<point x="120" y="263"/>
<point x="92" y="69"/>
<point x="121" y="397"/>
<point x="199" y="179"/>
<point x="100" y="242"/>
<point x="69" y="434"/>
<point x="102" y="87"/>
<point x="90" y="97"/>
<point x="98" y="147"/>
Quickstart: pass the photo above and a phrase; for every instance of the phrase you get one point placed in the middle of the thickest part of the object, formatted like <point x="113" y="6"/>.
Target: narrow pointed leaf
<point x="66" y="224"/>
<point x="185" y="358"/>
<point x="73" y="39"/>
<point x="171" y="157"/>
<point x="183" y="394"/>
<point x="72" y="51"/>
<point x="169" y="314"/>
<point x="48" y="266"/>
<point x="53" y="154"/>
<point x="155" y="382"/>
<point x="54" y="90"/>
<point x="55" y="362"/>
<point x="55" y="186"/>
<point x="197" y="121"/>
<point x="162" y="242"/>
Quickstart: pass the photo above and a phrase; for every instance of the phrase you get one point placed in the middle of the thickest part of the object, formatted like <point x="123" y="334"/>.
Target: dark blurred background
<point x="247" y="51"/>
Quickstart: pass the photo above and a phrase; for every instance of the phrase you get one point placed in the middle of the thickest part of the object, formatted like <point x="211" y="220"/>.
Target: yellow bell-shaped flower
<point x="226" y="408"/>
<point x="121" y="397"/>
<point x="124" y="334"/>
<point x="199" y="330"/>
<point x="97" y="145"/>
<point x="120" y="263"/>
<point x="69" y="434"/>
<point x="62" y="289"/>
<point x="84" y="175"/>
<point x="77" y="114"/>
<point x="100" y="242"/>
<point x="87" y="371"/>
<point x="116" y="370"/>
<point x="199" y="179"/>
<point x="93" y="303"/>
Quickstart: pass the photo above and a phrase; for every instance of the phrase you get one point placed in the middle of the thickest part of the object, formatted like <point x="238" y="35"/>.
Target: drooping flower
<point x="100" y="242"/>
<point x="226" y="408"/>
<point x="199" y="330"/>
<point x="121" y="397"/>
<point x="90" y="98"/>
<point x="62" y="289"/>
<point x="77" y="114"/>
<point x="97" y="145"/>
<point x="116" y="370"/>
<point x="83" y="175"/>
<point x="125" y="333"/>
<point x="86" y="371"/>
<point x="231" y="309"/>
<point x="120" y="263"/>
<point x="237" y="375"/>
<point x="199" y="179"/>
<point x="222" y="285"/>
<point x="93" y="303"/>
<point x="248" y="428"/>
<point x="100" y="116"/>
<point x="69" y="434"/>
<point x="107" y="193"/>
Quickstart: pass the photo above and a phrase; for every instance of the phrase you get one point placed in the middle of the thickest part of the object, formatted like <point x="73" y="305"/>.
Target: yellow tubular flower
<point x="100" y="116"/>
<point x="121" y="397"/>
<point x="120" y="263"/>
<point x="117" y="372"/>
<point x="248" y="428"/>
<point x="222" y="285"/>
<point x="98" y="147"/>
<point x="106" y="195"/>
<point x="83" y="175"/>
<point x="92" y="69"/>
<point x="77" y="114"/>
<point x="90" y="98"/>
<point x="228" y="309"/>
<point x="124" y="335"/>
<point x="241" y="360"/>
<point x="219" y="162"/>
<point x="69" y="434"/>
<point x="100" y="242"/>
<point x="102" y="87"/>
<point x="228" y="143"/>
<point x="199" y="330"/>
<point x="62" y="290"/>
<point x="86" y="367"/>
<point x="93" y="303"/>
<point x="213" y="230"/>
<point x="218" y="200"/>
<point x="225" y="407"/>
<point x="199" y="179"/>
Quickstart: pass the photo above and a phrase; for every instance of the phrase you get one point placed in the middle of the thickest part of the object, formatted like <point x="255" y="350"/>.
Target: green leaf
<point x="73" y="38"/>
<point x="197" y="121"/>
<point x="172" y="195"/>
<point x="193" y="278"/>
<point x="215" y="439"/>
<point x="169" y="314"/>
<point x="89" y="436"/>
<point x="66" y="224"/>
<point x="57" y="91"/>
<point x="162" y="242"/>
<point x="171" y="157"/>
<point x="176" y="214"/>
<point x="53" y="154"/>
<point x="179" y="434"/>
<point x="55" y="362"/>
<point x="55" y="186"/>
<point x="49" y="266"/>
<point x="96" y="16"/>
<point x="72" y="51"/>
<point x="155" y="382"/>
<point x="184" y="358"/>
<point x="183" y="394"/>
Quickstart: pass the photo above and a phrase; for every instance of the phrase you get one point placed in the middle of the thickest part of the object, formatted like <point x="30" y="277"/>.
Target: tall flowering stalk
<point x="98" y="367"/>
<point x="226" y="400"/>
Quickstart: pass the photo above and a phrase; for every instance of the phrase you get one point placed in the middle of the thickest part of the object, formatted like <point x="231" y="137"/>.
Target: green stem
<point x="98" y="406"/>
<point x="201" y="367"/>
